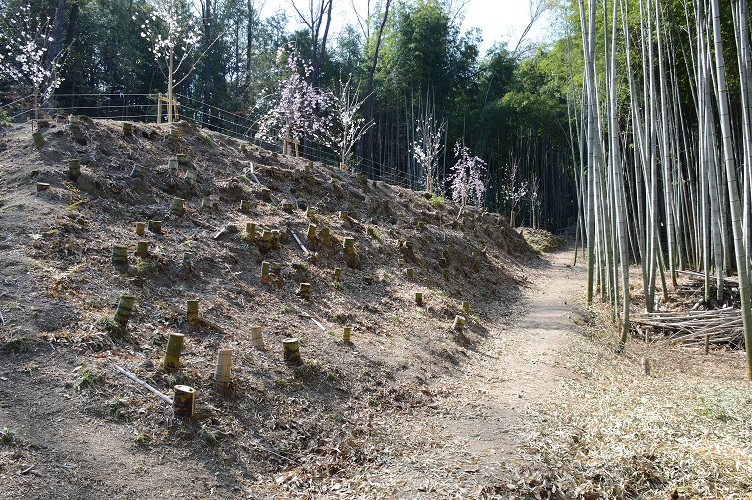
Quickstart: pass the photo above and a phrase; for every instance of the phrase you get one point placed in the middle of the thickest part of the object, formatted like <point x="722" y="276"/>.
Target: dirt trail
<point x="482" y="416"/>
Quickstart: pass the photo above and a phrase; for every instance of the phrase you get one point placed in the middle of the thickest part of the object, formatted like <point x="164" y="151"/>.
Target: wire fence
<point x="145" y="107"/>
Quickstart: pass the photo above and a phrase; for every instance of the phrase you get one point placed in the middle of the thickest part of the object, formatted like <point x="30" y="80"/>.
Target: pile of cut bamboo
<point x="718" y="327"/>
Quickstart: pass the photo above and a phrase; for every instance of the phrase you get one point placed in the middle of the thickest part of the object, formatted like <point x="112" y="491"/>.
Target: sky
<point x="499" y="20"/>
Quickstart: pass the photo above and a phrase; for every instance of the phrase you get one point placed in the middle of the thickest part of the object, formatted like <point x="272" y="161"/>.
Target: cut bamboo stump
<point x="171" y="361"/>
<point x="459" y="323"/>
<point x="173" y="167"/>
<point x="312" y="232"/>
<point x="142" y="249"/>
<point x="245" y="206"/>
<point x="177" y="206"/>
<point x="182" y="158"/>
<point x="266" y="194"/>
<point x="337" y="274"/>
<point x="250" y="232"/>
<point x="349" y="245"/>
<point x="207" y="205"/>
<point x="287" y="207"/>
<point x="187" y="260"/>
<point x="184" y="402"/>
<point x="257" y="338"/>
<point x="43" y="186"/>
<point x="265" y="272"/>
<point x="410" y="273"/>
<point x="155" y="226"/>
<point x="139" y="171"/>
<point x="119" y="256"/>
<point x="140" y="228"/>
<point x="346" y="332"/>
<point x="223" y="370"/>
<point x="38" y="139"/>
<point x="291" y="351"/>
<point x="310" y="213"/>
<point x="74" y="168"/>
<point x="124" y="309"/>
<point x="466" y="307"/>
<point x="175" y="134"/>
<point x="266" y="241"/>
<point x="419" y="298"/>
<point x="190" y="177"/>
<point x="304" y="291"/>
<point x="127" y="129"/>
<point x="191" y="309"/>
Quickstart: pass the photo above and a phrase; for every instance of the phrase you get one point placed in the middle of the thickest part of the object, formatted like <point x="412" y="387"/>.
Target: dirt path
<point x="468" y="440"/>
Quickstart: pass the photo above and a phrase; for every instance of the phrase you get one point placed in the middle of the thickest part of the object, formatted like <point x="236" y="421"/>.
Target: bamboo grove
<point x="666" y="143"/>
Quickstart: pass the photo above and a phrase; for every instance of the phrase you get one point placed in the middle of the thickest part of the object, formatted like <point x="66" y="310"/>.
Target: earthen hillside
<point x="62" y="401"/>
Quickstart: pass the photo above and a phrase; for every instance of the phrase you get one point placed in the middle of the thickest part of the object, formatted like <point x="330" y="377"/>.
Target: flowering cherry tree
<point x="427" y="148"/>
<point x="467" y="177"/>
<point x="297" y="108"/>
<point x="24" y="48"/>
<point x="173" y="34"/>
<point x="346" y="126"/>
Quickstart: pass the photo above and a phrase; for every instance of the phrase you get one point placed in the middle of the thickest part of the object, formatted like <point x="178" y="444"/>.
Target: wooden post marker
<point x="184" y="402"/>
<point x="171" y="361"/>
<point x="257" y="338"/>
<point x="191" y="309"/>
<point x="291" y="351"/>
<point x="223" y="370"/>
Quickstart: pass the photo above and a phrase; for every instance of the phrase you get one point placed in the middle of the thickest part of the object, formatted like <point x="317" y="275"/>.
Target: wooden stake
<point x="184" y="404"/>
<point x="223" y="370"/>
<point x="171" y="361"/>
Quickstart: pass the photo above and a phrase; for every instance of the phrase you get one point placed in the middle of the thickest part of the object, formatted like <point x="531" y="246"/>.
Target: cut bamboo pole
<point x="346" y="332"/>
<point x="155" y="226"/>
<point x="184" y="403"/>
<point x="119" y="256"/>
<point x="171" y="360"/>
<point x="140" y="228"/>
<point x="124" y="309"/>
<point x="191" y="309"/>
<point x="257" y="338"/>
<point x="223" y="370"/>
<point x="291" y="351"/>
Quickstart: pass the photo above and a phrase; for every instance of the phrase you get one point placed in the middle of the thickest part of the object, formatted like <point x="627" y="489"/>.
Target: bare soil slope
<point x="73" y="427"/>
